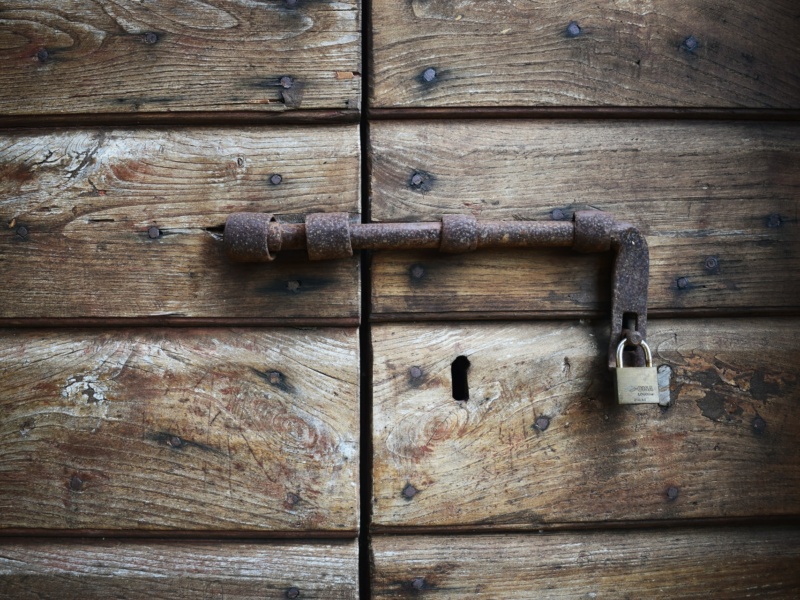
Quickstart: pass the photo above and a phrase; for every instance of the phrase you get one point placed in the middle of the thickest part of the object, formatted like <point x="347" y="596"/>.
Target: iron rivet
<point x="291" y="2"/>
<point x="634" y="338"/>
<point x="42" y="55"/>
<point x="276" y="179"/>
<point x="416" y="372"/>
<point x="774" y="220"/>
<point x="542" y="423"/>
<point x="409" y="491"/>
<point x="691" y="43"/>
<point x="759" y="424"/>
<point x="672" y="493"/>
<point x="293" y="592"/>
<point x="153" y="232"/>
<point x="417" y="179"/>
<point x="711" y="263"/>
<point x="557" y="214"/>
<point x="417" y="271"/>
<point x="418" y="583"/>
<point x="573" y="29"/>
<point x="292" y="498"/>
<point x="429" y="74"/>
<point x="75" y="483"/>
<point x="175" y="441"/>
<point x="682" y="283"/>
<point x="150" y="38"/>
<point x="22" y="231"/>
<point x="286" y="82"/>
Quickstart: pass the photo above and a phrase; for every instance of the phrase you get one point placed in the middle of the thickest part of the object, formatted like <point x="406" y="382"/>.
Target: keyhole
<point x="458" y="371"/>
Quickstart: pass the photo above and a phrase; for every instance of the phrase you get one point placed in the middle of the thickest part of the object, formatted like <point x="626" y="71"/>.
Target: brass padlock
<point x="637" y="385"/>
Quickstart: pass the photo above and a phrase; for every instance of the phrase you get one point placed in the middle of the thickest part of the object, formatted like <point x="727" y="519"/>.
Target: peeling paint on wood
<point x="177" y="430"/>
<point x="541" y="442"/>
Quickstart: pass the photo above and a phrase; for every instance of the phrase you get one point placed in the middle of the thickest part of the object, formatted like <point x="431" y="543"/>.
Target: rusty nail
<point x="153" y="232"/>
<point x="286" y="82"/>
<point x="409" y="491"/>
<point x="711" y="263"/>
<point x="417" y="179"/>
<point x="42" y="55"/>
<point x="418" y="583"/>
<point x="774" y="220"/>
<point x="691" y="43"/>
<point x="292" y="498"/>
<point x="293" y="592"/>
<point x="291" y="2"/>
<point x="175" y="441"/>
<point x="759" y="424"/>
<point x="275" y="377"/>
<point x="417" y="271"/>
<point x="672" y="493"/>
<point x="276" y="179"/>
<point x="682" y="283"/>
<point x="416" y="372"/>
<point x="150" y="38"/>
<point x="429" y="74"/>
<point x="573" y="29"/>
<point x="542" y="423"/>
<point x="75" y="483"/>
<point x="22" y="231"/>
<point x="557" y="214"/>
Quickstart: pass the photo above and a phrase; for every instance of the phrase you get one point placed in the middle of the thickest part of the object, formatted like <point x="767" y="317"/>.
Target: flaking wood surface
<point x="87" y="199"/>
<point x="119" y="56"/>
<point x="680" y="563"/>
<point x="146" y="570"/>
<point x="208" y="429"/>
<point x="717" y="201"/>
<point x="708" y="53"/>
<point x="541" y="441"/>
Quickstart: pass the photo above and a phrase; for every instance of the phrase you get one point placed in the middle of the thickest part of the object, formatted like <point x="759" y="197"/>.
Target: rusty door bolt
<point x="711" y="264"/>
<point x="22" y="231"/>
<point x="293" y="592"/>
<point x="690" y="43"/>
<point x="573" y="29"/>
<point x="418" y="583"/>
<point x="682" y="283"/>
<point x="75" y="483"/>
<point x="542" y="423"/>
<point x="150" y="38"/>
<point x="429" y="74"/>
<point x="286" y="82"/>
<point x="759" y="424"/>
<point x="153" y="232"/>
<point x="276" y="179"/>
<point x="672" y="493"/>
<point x="558" y="214"/>
<point x="409" y="491"/>
<point x="774" y="220"/>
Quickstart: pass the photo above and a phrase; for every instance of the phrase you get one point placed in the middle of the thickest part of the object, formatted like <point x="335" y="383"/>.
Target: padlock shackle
<point x="648" y="355"/>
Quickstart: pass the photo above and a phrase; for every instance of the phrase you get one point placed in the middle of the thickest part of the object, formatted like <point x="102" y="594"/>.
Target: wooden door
<point x="502" y="465"/>
<point x="174" y="425"/>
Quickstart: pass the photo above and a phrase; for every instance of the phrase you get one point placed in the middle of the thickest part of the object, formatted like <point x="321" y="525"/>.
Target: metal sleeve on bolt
<point x="459" y="234"/>
<point x="247" y="235"/>
<point x="328" y="236"/>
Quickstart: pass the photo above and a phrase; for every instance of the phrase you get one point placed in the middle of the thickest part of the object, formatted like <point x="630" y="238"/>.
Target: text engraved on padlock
<point x="637" y="385"/>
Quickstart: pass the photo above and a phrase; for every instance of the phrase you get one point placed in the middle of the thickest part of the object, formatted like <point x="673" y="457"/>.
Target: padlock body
<point x="637" y="385"/>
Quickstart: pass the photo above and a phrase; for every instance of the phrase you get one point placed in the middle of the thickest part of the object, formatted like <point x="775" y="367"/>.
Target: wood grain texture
<point x="710" y="53"/>
<point x="682" y="563"/>
<point x="193" y="430"/>
<point x="718" y="202"/>
<point x="121" y="56"/>
<point x="146" y="570"/>
<point x="541" y="441"/>
<point x="88" y="198"/>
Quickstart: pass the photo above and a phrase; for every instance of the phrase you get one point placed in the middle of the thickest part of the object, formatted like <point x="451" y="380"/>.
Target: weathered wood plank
<point x="212" y="429"/>
<point x="146" y="570"/>
<point x="682" y="563"/>
<point x="542" y="442"/>
<point x="79" y="208"/>
<point x="717" y="201"/>
<point x="178" y="55"/>
<point x="710" y="53"/>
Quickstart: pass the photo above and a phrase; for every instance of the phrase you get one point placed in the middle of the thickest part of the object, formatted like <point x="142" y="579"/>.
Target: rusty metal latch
<point x="257" y="237"/>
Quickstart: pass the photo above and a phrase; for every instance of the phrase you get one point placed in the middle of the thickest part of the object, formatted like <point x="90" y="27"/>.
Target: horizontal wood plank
<point x="709" y="53"/>
<point x="192" y="430"/>
<point x="88" y="57"/>
<point x="144" y="570"/>
<point x="683" y="563"/>
<point x="717" y="201"/>
<point x="541" y="441"/>
<point x="128" y="223"/>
